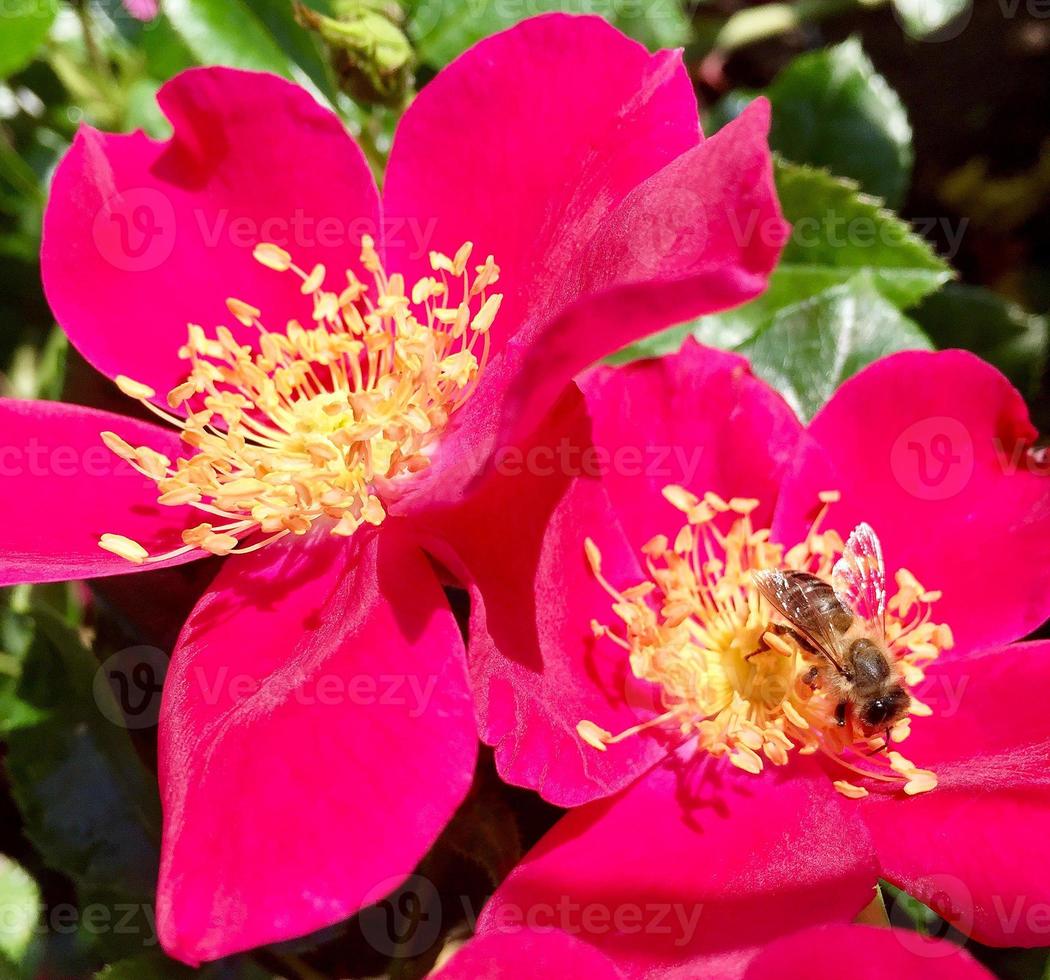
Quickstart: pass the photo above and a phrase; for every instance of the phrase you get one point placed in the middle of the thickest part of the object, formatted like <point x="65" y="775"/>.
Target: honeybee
<point x="844" y="623"/>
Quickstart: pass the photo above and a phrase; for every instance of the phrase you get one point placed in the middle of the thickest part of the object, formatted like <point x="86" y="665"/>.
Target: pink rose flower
<point x="734" y="788"/>
<point x="549" y="198"/>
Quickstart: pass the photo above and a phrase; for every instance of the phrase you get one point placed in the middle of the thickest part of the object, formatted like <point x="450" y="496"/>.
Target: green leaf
<point x="26" y="24"/>
<point x="832" y="109"/>
<point x="997" y="330"/>
<point x="154" y="965"/>
<point x="924" y="18"/>
<point x="21" y="903"/>
<point x="837" y="234"/>
<point x="89" y="806"/>
<point x="810" y="348"/>
<point x="906" y="912"/>
<point x="443" y="29"/>
<point x="148" y="966"/>
<point x="17" y="633"/>
<point x="225" y="32"/>
<point x="142" y="111"/>
<point x="656" y="23"/>
<point x="299" y="44"/>
<point x="665" y="342"/>
<point x="232" y="32"/>
<point x="165" y="52"/>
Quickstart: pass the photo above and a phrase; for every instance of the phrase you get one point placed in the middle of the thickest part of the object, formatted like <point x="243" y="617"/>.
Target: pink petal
<point x="574" y="157"/>
<point x="666" y="888"/>
<point x="527" y="143"/>
<point x="976" y="849"/>
<point x="61" y="489"/>
<point x="700" y="236"/>
<point x="143" y="237"/>
<point x="536" y="668"/>
<point x="525" y="955"/>
<point x="315" y="738"/>
<point x="932" y="450"/>
<point x="830" y="952"/>
<point x="142" y="9"/>
<point x="698" y="418"/>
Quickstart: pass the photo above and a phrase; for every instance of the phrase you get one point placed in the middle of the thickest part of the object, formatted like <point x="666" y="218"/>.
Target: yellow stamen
<point x="318" y="423"/>
<point x="124" y="548"/>
<point x="730" y="676"/>
<point x="133" y="389"/>
<point x="593" y="735"/>
<point x="272" y="256"/>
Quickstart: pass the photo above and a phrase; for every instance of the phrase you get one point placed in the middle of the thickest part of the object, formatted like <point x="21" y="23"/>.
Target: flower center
<point x="732" y="675"/>
<point x="319" y="422"/>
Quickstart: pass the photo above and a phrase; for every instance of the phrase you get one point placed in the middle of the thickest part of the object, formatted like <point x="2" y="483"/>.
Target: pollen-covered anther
<point x="735" y="680"/>
<point x="593" y="735"/>
<point x="316" y="423"/>
<point x="123" y="547"/>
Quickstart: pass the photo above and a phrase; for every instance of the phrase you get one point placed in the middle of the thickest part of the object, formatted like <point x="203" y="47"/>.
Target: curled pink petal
<point x="700" y="236"/>
<point x="608" y="215"/>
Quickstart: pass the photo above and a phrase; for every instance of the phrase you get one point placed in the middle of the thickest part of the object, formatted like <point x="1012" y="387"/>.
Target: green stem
<point x="369" y="143"/>
<point x="94" y="53"/>
<point x="773" y="19"/>
<point x="18" y="172"/>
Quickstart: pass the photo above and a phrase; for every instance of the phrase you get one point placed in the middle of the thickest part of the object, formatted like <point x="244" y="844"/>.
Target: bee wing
<point x="859" y="578"/>
<point x="796" y="595"/>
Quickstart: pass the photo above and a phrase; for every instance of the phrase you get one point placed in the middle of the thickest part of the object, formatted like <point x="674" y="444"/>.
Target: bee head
<point x="885" y="709"/>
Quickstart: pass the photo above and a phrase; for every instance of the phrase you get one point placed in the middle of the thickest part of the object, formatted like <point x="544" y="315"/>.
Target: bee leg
<point x="840" y="714"/>
<point x="798" y="637"/>
<point x="765" y="646"/>
<point x="810" y="678"/>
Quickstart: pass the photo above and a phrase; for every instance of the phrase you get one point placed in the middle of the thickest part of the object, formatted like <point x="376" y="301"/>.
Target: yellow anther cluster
<point x="316" y="422"/>
<point x="732" y="682"/>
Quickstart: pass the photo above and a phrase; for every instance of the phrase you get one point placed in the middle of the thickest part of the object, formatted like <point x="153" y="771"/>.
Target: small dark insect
<point x="844" y="622"/>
